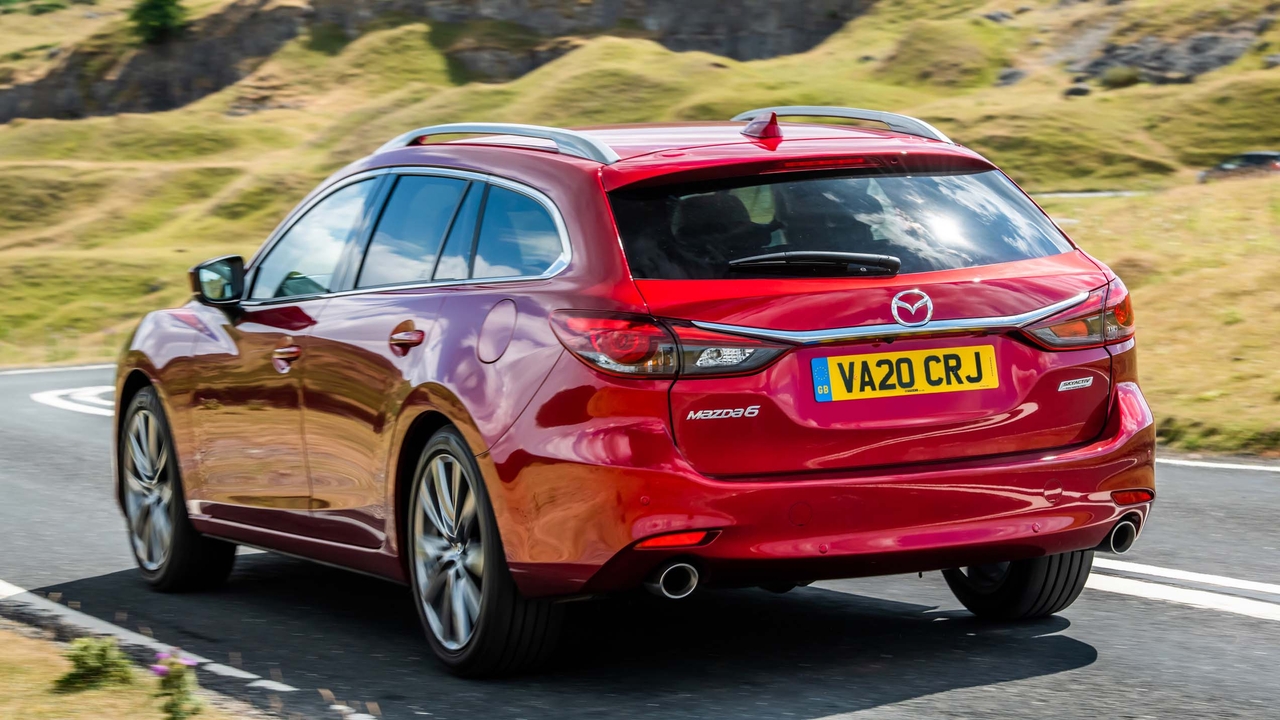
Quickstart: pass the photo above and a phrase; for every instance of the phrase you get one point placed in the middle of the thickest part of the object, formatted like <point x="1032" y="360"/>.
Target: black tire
<point x="511" y="633"/>
<point x="191" y="561"/>
<point x="1022" y="589"/>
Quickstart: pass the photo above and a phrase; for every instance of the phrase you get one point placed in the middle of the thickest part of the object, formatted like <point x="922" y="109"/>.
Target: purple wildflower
<point x="160" y="670"/>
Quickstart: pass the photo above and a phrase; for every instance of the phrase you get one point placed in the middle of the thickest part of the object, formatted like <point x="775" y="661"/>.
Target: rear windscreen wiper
<point x="814" y="262"/>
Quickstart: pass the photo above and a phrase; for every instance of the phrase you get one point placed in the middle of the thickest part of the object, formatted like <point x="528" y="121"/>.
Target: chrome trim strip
<point x="818" y="337"/>
<point x="567" y="142"/>
<point x="557" y="267"/>
<point x="898" y="123"/>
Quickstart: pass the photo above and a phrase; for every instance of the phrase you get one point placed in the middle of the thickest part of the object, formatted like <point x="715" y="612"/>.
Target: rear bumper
<point x="816" y="527"/>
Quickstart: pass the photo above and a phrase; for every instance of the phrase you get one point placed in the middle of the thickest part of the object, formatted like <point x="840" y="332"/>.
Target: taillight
<point x="703" y="352"/>
<point x="1104" y="318"/>
<point x="638" y="345"/>
<point x="632" y="345"/>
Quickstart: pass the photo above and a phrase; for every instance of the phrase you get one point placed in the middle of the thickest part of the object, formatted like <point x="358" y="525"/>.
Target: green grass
<point x="1180" y="18"/>
<point x="29" y="687"/>
<point x="152" y="138"/>
<point x="37" y="197"/>
<point x="1210" y="122"/>
<point x="158" y="201"/>
<point x="960" y="53"/>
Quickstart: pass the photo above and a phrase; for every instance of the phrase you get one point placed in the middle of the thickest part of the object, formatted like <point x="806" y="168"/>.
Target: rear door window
<point x="411" y="230"/>
<point x="517" y="237"/>
<point x="929" y="222"/>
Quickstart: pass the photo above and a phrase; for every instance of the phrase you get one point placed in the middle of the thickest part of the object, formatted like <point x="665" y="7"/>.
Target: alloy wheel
<point x="148" y="491"/>
<point x="448" y="550"/>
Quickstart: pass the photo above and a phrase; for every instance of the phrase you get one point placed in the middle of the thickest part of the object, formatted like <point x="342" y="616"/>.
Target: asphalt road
<point x="878" y="648"/>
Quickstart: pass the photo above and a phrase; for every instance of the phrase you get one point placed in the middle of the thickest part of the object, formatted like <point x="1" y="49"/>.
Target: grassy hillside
<point x="102" y="216"/>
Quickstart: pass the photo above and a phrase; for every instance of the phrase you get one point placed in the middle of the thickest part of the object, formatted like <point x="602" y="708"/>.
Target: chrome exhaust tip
<point x="1121" y="538"/>
<point x="673" y="581"/>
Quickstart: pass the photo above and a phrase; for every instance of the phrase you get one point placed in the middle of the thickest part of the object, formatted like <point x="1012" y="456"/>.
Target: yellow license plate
<point x="914" y="372"/>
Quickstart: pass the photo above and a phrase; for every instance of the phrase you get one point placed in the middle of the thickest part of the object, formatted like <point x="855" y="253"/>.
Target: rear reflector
<point x="683" y="539"/>
<point x="1132" y="497"/>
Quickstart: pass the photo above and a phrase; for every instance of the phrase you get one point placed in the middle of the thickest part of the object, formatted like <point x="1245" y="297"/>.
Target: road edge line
<point x="28" y="608"/>
<point x="65" y="368"/>
<point x="1186" y="576"/>
<point x="1202" y="599"/>
<point x="1218" y="466"/>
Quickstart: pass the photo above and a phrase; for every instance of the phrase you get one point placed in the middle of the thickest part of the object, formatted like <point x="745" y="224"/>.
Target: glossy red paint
<point x="307" y="453"/>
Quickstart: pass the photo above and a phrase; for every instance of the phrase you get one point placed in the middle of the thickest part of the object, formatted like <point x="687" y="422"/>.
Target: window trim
<point x="381" y="196"/>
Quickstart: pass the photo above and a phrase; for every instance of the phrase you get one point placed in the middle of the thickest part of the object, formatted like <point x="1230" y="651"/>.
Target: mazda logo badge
<point x="911" y="308"/>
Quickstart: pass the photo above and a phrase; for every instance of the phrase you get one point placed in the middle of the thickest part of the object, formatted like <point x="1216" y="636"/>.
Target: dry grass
<point x="29" y="669"/>
<point x="1203" y="262"/>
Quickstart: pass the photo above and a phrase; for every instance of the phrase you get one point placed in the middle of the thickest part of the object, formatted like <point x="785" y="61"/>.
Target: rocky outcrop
<point x="496" y="63"/>
<point x="1164" y="61"/>
<point x="745" y="30"/>
<point x="103" y="78"/>
<point x="106" y="77"/>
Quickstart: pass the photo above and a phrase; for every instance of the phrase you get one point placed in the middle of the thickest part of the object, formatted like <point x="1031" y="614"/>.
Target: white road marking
<point x="37" y="371"/>
<point x="67" y="400"/>
<point x="231" y="672"/>
<point x="1171" y="574"/>
<point x="272" y="685"/>
<point x="93" y="396"/>
<point x="1218" y="466"/>
<point x="7" y="591"/>
<point x="1185" y="596"/>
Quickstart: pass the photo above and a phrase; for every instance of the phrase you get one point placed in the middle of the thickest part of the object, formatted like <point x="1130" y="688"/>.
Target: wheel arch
<point x="420" y="430"/>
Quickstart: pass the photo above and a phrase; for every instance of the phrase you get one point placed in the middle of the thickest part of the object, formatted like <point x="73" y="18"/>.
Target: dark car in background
<point x="1250" y="163"/>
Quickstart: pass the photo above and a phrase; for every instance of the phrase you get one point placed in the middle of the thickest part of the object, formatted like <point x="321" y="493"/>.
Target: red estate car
<point x="537" y="364"/>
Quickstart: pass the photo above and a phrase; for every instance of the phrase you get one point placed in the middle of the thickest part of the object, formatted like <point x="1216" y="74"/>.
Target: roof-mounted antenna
<point x="763" y="127"/>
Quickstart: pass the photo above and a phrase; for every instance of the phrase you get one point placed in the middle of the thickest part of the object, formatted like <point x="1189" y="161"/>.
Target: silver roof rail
<point x="567" y="142"/>
<point x="897" y="123"/>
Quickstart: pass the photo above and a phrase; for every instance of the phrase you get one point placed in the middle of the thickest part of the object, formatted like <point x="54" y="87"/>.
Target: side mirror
<point x="219" y="281"/>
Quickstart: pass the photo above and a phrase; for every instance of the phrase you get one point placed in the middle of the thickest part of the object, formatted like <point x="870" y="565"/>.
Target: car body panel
<point x="580" y="465"/>
<point x="246" y="416"/>
<point x="594" y="472"/>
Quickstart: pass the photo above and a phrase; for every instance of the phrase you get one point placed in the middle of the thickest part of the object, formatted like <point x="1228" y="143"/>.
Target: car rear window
<point x="929" y="222"/>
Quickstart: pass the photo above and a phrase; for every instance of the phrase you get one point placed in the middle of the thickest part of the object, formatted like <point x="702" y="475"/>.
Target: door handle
<point x="403" y="341"/>
<point x="282" y="357"/>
